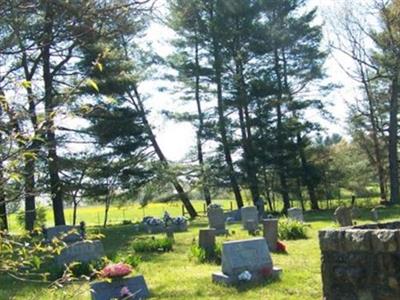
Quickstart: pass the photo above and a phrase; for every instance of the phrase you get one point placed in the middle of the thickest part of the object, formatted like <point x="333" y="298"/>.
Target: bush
<point x="131" y="259"/>
<point x="76" y="270"/>
<point x="126" y="222"/>
<point x="40" y="217"/>
<point x="291" y="230"/>
<point x="153" y="245"/>
<point x="201" y="256"/>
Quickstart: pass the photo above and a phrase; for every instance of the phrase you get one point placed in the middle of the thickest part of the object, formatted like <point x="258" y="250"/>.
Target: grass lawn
<point x="173" y="276"/>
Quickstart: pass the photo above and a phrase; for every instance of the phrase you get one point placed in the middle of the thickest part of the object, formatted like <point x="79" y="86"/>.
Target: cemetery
<point x="199" y="149"/>
<point x="332" y="261"/>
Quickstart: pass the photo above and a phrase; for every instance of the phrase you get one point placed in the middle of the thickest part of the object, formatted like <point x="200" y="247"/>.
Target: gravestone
<point x="261" y="208"/>
<point x="216" y="219"/>
<point x="343" y="216"/>
<point x="240" y="256"/>
<point x="82" y="251"/>
<point x="207" y="239"/>
<point x="233" y="215"/>
<point x="112" y="290"/>
<point x="295" y="214"/>
<point x="67" y="233"/>
<point x="170" y="233"/>
<point x="251" y="226"/>
<point x="249" y="217"/>
<point x="270" y="232"/>
<point x="375" y="215"/>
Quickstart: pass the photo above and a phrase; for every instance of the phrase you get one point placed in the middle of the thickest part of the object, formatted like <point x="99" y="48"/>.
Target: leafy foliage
<point x="152" y="245"/>
<point x="289" y="229"/>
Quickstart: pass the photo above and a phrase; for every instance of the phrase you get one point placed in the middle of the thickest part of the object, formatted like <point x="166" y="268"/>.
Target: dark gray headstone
<point x="251" y="255"/>
<point x="112" y="290"/>
<point x="207" y="239"/>
<point x="343" y="216"/>
<point x="295" y="214"/>
<point x="67" y="233"/>
<point x="216" y="219"/>
<point x="249" y="217"/>
<point x="245" y="255"/>
<point x="270" y="232"/>
<point x="233" y="215"/>
<point x="260" y="207"/>
<point x="82" y="251"/>
<point x="375" y="215"/>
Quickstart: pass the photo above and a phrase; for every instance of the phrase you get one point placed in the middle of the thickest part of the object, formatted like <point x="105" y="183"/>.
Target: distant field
<point x="94" y="215"/>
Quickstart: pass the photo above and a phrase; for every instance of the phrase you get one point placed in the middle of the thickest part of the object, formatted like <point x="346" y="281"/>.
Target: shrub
<point x="77" y="269"/>
<point x="153" y="245"/>
<point x="291" y="230"/>
<point x="126" y="222"/>
<point x="40" y="217"/>
<point x="131" y="259"/>
<point x="201" y="256"/>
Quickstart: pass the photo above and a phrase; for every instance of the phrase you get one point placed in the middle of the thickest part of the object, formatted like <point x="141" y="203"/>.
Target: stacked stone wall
<point x="361" y="262"/>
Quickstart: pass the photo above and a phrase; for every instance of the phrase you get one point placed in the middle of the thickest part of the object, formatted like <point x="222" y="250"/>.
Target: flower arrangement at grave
<point x="245" y="276"/>
<point x="152" y="221"/>
<point x="266" y="272"/>
<point x="126" y="293"/>
<point x="116" y="271"/>
<point x="179" y="220"/>
<point x="281" y="247"/>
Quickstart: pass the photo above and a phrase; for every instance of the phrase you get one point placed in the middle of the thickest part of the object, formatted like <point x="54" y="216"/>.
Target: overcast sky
<point x="176" y="139"/>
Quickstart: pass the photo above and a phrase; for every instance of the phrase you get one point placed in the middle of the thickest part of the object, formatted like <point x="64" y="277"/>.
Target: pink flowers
<point x="280" y="247"/>
<point x="116" y="270"/>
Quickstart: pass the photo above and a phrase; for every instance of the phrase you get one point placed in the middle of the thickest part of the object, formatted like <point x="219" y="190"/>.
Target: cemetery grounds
<point x="173" y="275"/>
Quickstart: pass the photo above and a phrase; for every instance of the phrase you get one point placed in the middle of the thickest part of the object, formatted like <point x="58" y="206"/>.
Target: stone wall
<point x="361" y="262"/>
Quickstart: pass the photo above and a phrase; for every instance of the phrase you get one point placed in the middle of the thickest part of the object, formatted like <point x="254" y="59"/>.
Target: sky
<point x="176" y="139"/>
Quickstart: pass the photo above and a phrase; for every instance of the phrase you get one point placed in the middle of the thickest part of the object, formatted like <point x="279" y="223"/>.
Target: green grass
<point x="172" y="275"/>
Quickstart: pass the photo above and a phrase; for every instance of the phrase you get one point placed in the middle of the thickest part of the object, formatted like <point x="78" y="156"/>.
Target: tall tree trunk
<point x="245" y="128"/>
<point x="178" y="187"/>
<point x="393" y="139"/>
<point x="217" y="65"/>
<point x="280" y="144"/>
<point x="306" y="173"/>
<point x="30" y="206"/>
<point x="55" y="182"/>
<point x="29" y="174"/>
<point x="375" y="139"/>
<point x="3" y="206"/>
<point x="299" y="142"/>
<point x="107" y="208"/>
<point x="206" y="191"/>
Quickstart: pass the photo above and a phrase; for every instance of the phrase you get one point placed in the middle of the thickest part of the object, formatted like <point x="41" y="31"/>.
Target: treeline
<point x="74" y="123"/>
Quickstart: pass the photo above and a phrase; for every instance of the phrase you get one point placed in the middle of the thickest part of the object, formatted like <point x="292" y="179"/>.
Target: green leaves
<point x="91" y="83"/>
<point x="26" y="84"/>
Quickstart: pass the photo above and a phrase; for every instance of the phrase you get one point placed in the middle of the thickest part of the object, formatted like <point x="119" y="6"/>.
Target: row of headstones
<point x="344" y="215"/>
<point x="249" y="215"/>
<point x="270" y="233"/>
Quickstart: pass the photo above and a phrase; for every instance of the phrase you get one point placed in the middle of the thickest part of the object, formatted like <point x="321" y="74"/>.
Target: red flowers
<point x="116" y="270"/>
<point x="280" y="247"/>
<point x="266" y="272"/>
